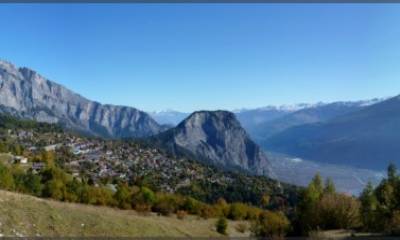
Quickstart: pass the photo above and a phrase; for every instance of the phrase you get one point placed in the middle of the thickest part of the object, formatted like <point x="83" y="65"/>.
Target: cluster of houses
<point x="106" y="159"/>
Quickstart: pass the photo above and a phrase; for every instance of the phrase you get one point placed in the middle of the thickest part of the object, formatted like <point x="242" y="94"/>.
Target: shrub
<point x="55" y="189"/>
<point x="72" y="191"/>
<point x="123" y="196"/>
<point x="167" y="203"/>
<point x="6" y="178"/>
<point x="147" y="196"/>
<point x="393" y="227"/>
<point x="101" y="196"/>
<point x="271" y="225"/>
<point x="237" y="211"/>
<point x="221" y="225"/>
<point x="207" y="211"/>
<point x="143" y="200"/>
<point x="252" y="213"/>
<point x="222" y="207"/>
<point x="181" y="214"/>
<point x="142" y="208"/>
<point x="191" y="205"/>
<point x="32" y="184"/>
<point x="163" y="207"/>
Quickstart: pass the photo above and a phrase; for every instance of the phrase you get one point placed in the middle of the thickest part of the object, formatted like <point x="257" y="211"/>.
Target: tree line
<point x="376" y="210"/>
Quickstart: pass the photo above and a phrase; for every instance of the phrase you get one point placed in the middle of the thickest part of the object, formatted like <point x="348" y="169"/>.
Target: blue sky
<point x="208" y="56"/>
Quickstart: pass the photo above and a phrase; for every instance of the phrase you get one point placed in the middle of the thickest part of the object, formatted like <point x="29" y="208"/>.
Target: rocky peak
<point x="8" y="68"/>
<point x="217" y="137"/>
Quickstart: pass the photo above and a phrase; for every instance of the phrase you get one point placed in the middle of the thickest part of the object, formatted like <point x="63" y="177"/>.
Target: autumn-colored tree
<point x="55" y="189"/>
<point x="270" y="224"/>
<point x="123" y="196"/>
<point x="48" y="157"/>
<point x="101" y="196"/>
<point x="265" y="200"/>
<point x="338" y="211"/>
<point x="237" y="211"/>
<point x="222" y="207"/>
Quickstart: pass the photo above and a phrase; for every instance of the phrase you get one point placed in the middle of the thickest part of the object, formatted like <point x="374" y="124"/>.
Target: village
<point x="105" y="161"/>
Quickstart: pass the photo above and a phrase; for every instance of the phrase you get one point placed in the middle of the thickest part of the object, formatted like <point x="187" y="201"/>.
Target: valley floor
<point x="23" y="215"/>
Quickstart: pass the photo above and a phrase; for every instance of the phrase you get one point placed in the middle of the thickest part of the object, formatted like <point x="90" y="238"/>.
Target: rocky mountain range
<point x="365" y="138"/>
<point x="262" y="123"/>
<point x="361" y="134"/>
<point x="215" y="137"/>
<point x="25" y="93"/>
<point x="312" y="113"/>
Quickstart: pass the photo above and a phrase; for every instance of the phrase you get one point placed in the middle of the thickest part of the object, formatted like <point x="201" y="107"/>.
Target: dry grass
<point x="22" y="215"/>
<point x="5" y="158"/>
<point x="338" y="234"/>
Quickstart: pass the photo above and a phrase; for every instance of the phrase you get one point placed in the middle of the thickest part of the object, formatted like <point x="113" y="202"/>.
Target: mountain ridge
<point x="263" y="122"/>
<point x="26" y="93"/>
<point x="365" y="138"/>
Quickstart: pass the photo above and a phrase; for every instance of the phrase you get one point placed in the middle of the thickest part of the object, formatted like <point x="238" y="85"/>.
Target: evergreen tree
<point x="316" y="187"/>
<point x="32" y="183"/>
<point x="392" y="172"/>
<point x="221" y="225"/>
<point x="329" y="186"/>
<point x="369" y="205"/>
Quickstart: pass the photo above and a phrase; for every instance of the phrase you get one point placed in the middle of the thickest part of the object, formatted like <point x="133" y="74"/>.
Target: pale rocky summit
<point x="216" y="137"/>
<point x="25" y="93"/>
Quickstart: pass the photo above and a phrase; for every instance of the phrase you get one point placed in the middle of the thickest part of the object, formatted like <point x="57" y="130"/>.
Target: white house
<point x="20" y="159"/>
<point x="51" y="147"/>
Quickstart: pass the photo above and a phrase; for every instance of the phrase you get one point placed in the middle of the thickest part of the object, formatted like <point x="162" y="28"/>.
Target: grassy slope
<point x="23" y="215"/>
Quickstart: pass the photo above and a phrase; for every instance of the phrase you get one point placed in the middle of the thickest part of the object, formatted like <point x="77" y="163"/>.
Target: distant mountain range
<point x="262" y="123"/>
<point x="320" y="112"/>
<point x="368" y="137"/>
<point x="25" y="93"/>
<point x="169" y="117"/>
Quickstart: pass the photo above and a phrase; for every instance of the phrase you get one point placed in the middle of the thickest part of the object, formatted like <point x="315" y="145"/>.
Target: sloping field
<point x="23" y="215"/>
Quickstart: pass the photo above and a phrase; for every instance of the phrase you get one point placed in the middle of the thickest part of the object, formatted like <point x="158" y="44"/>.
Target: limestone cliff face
<point x="217" y="138"/>
<point x="25" y="93"/>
